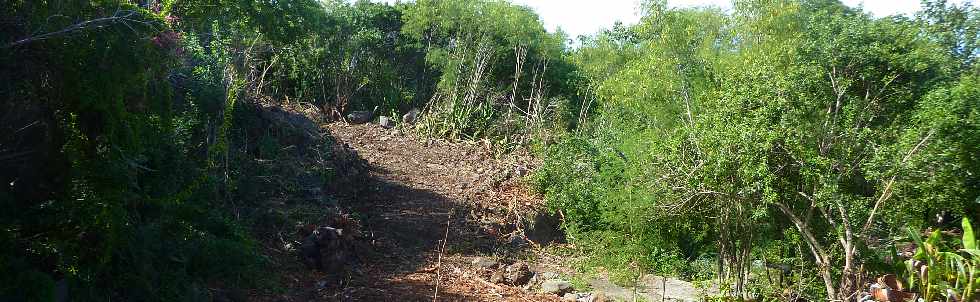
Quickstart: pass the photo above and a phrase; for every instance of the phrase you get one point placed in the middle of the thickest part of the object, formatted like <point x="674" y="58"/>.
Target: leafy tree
<point x="808" y="115"/>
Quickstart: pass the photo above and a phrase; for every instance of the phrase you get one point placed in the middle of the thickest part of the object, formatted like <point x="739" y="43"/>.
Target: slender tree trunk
<point x="817" y="249"/>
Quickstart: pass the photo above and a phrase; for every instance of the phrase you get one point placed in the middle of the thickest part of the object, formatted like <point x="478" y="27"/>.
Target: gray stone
<point x="653" y="288"/>
<point x="485" y="263"/>
<point x="556" y="286"/>
<point x="497" y="277"/>
<point x="583" y="297"/>
<point x="361" y="117"/>
<point x="411" y="117"/>
<point x="614" y="292"/>
<point x="386" y="122"/>
<point x="569" y="297"/>
<point x="517" y="241"/>
<point x="517" y="274"/>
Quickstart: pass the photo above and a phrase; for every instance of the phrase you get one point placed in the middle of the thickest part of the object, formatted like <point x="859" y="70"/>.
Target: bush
<point x="801" y="126"/>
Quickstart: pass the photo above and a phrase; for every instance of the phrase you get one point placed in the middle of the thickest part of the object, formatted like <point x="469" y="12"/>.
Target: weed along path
<point x="437" y="221"/>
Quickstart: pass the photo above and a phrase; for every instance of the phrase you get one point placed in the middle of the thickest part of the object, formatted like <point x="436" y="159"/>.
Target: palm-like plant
<point x="939" y="272"/>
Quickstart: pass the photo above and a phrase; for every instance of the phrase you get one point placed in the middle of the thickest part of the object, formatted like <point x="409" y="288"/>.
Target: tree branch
<point x="887" y="192"/>
<point x="122" y="16"/>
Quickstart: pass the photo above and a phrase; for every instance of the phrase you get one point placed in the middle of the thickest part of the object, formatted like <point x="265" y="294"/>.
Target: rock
<point x="517" y="241"/>
<point x="411" y="117"/>
<point x="583" y="297"/>
<point x="556" y="286"/>
<point x="322" y="238"/>
<point x="676" y="289"/>
<point x="615" y="292"/>
<point x="517" y="274"/>
<point x="386" y="122"/>
<point x="485" y="263"/>
<point x="361" y="117"/>
<point x="497" y="277"/>
<point x="597" y="297"/>
<point x="654" y="288"/>
<point x="549" y="275"/>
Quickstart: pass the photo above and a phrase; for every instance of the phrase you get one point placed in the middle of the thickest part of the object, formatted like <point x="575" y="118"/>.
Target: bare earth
<point x="418" y="193"/>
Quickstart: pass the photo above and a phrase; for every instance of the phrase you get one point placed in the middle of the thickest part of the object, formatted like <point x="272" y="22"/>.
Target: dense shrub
<point x="804" y="127"/>
<point x="126" y="206"/>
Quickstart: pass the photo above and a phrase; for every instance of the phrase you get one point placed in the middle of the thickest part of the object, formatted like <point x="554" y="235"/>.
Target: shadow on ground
<point x="406" y="227"/>
<point x="406" y="198"/>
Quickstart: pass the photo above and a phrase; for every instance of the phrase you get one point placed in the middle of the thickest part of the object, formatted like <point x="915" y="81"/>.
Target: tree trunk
<point x="819" y="253"/>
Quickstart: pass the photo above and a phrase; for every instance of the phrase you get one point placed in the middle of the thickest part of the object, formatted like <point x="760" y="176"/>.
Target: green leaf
<point x="935" y="238"/>
<point x="972" y="252"/>
<point x="920" y="250"/>
<point x="969" y="241"/>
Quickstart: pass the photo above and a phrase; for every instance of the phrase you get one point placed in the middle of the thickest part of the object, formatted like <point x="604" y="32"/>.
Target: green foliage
<point x="128" y="212"/>
<point x="501" y="73"/>
<point x="969" y="240"/>
<point x="940" y="271"/>
<point x="805" y="115"/>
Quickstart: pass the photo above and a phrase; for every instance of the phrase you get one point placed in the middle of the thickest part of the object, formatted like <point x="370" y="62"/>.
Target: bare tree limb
<point x="887" y="192"/>
<point x="124" y="17"/>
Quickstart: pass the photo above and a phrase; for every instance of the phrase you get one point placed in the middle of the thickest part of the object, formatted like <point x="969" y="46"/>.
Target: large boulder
<point x="654" y="288"/>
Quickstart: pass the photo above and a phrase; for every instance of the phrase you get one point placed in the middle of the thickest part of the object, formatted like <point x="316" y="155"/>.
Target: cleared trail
<point x="427" y="210"/>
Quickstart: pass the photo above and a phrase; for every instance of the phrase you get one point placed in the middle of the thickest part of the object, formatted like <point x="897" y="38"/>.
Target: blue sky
<point x="578" y="17"/>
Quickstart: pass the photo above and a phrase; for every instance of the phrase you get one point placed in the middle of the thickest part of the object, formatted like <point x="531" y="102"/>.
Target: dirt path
<point x="417" y="195"/>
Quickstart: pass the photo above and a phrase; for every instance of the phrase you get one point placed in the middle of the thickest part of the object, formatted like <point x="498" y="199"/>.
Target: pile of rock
<point x="520" y="274"/>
